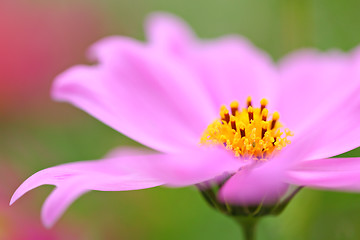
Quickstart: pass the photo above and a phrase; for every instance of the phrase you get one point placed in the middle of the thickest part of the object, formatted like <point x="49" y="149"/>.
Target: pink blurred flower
<point x="37" y="41"/>
<point x="165" y="93"/>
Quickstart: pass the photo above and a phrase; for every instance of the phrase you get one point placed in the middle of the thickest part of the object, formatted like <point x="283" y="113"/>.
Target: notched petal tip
<point x="168" y="31"/>
<point x="113" y="48"/>
<point x="165" y="21"/>
<point x="70" y="83"/>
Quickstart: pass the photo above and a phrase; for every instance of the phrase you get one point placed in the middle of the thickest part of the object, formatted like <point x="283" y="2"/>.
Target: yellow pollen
<point x="263" y="103"/>
<point x="248" y="101"/>
<point x="247" y="131"/>
<point x="264" y="114"/>
<point x="224" y="114"/>
<point x="250" y="113"/>
<point x="276" y="117"/>
<point x="234" y="107"/>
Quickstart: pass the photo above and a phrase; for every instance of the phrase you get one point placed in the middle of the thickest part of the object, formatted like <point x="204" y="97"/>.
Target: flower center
<point x="249" y="132"/>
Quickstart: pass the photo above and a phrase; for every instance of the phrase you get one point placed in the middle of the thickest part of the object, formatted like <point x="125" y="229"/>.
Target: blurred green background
<point x="39" y="39"/>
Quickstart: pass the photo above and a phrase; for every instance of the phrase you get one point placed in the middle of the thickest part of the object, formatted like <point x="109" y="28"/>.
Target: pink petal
<point x="310" y="82"/>
<point x="337" y="131"/>
<point x="320" y="93"/>
<point x="73" y="179"/>
<point x="340" y="129"/>
<point x="253" y="187"/>
<point x="126" y="172"/>
<point x="58" y="201"/>
<point x="189" y="167"/>
<point x="140" y="93"/>
<point x="230" y="68"/>
<point x="196" y="166"/>
<point x="334" y="173"/>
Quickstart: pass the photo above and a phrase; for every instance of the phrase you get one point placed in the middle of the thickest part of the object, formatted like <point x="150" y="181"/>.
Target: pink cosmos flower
<point x="166" y="94"/>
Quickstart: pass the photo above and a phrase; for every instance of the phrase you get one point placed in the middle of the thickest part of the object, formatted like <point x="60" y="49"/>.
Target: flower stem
<point x="248" y="225"/>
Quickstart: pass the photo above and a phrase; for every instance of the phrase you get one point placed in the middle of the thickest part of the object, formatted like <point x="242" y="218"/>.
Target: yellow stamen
<point x="264" y="127"/>
<point x="242" y="129"/>
<point x="233" y="123"/>
<point x="234" y="105"/>
<point x="224" y="114"/>
<point x="264" y="114"/>
<point x="247" y="132"/>
<point x="263" y="103"/>
<point x="250" y="113"/>
<point x="276" y="117"/>
<point x="248" y="101"/>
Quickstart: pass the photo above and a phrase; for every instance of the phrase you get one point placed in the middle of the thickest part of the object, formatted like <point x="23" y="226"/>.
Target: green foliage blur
<point x="33" y="140"/>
